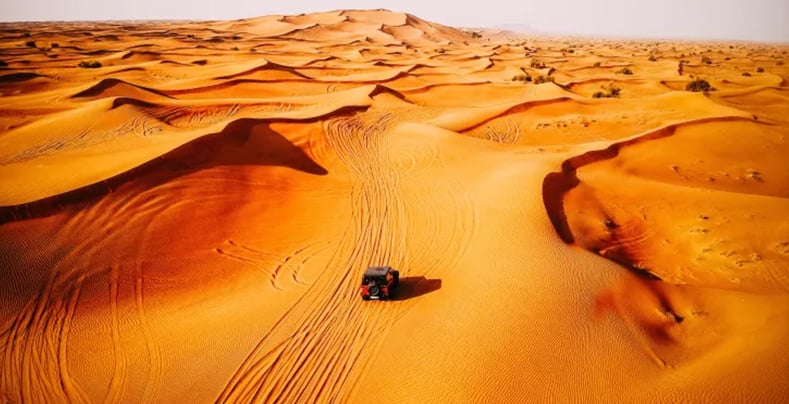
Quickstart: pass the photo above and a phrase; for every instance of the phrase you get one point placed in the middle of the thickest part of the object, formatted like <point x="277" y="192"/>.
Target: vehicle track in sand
<point x="318" y="349"/>
<point x="274" y="266"/>
<point x="35" y="346"/>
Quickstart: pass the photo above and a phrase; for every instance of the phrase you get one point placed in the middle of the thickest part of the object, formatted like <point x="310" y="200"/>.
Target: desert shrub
<point x="521" y="77"/>
<point x="537" y="64"/>
<point x="3" y="63"/>
<point x="597" y="64"/>
<point x="746" y="74"/>
<point x="89" y="64"/>
<point x="652" y="58"/>
<point x="236" y="37"/>
<point x="543" y="79"/>
<point x="706" y="60"/>
<point x="474" y="34"/>
<point x="625" y="70"/>
<point x="759" y="69"/>
<point x="609" y="91"/>
<point x="30" y="44"/>
<point x="779" y="63"/>
<point x="253" y="50"/>
<point x="235" y="48"/>
<point x="570" y="50"/>
<point x="699" y="85"/>
<point x="54" y="45"/>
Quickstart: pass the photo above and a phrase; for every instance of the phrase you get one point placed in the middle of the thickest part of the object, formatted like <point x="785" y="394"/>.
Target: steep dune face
<point x="187" y="216"/>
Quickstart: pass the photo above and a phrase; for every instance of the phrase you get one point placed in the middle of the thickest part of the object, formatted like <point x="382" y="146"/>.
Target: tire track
<point x="316" y="359"/>
<point x="510" y="133"/>
<point x="324" y="356"/>
<point x="115" y="392"/>
<point x="154" y="380"/>
<point x="270" y="264"/>
<point x="35" y="365"/>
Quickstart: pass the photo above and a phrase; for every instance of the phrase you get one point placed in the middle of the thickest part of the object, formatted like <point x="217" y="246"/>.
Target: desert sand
<point x="189" y="221"/>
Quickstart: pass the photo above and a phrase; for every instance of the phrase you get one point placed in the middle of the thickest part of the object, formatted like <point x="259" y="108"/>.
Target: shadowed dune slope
<point x="186" y="210"/>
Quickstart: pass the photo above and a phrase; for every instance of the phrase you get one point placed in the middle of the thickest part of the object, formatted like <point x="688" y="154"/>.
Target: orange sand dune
<point x="186" y="209"/>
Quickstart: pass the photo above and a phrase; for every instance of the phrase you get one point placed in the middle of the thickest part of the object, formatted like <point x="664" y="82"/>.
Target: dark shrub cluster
<point x="543" y="79"/>
<point x="89" y="64"/>
<point x="699" y="85"/>
<point x="625" y="70"/>
<point x="609" y="91"/>
<point x="522" y="77"/>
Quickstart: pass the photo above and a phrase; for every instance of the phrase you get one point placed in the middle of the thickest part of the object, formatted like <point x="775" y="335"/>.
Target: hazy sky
<point x="760" y="20"/>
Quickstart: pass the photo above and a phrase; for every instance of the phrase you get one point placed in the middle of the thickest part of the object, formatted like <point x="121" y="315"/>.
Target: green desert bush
<point x="706" y="60"/>
<point x="609" y="91"/>
<point x="521" y="77"/>
<point x="30" y="44"/>
<point x="746" y="74"/>
<point x="699" y="85"/>
<point x="597" y="64"/>
<point x="3" y="63"/>
<point x="759" y="69"/>
<point x="54" y="45"/>
<point x="89" y="64"/>
<point x="537" y="64"/>
<point x="652" y="58"/>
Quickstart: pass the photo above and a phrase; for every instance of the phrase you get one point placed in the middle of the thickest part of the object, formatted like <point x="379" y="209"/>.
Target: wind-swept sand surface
<point x="189" y="221"/>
